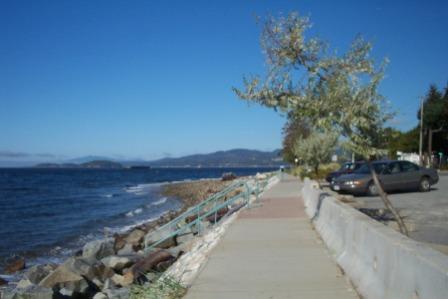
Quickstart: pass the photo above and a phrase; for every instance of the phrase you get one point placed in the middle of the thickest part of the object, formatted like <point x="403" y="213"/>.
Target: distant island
<point x="230" y="158"/>
<point x="96" y="164"/>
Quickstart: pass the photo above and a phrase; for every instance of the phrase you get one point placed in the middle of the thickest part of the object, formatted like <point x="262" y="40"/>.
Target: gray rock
<point x="117" y="262"/>
<point x="24" y="283"/>
<point x="126" y="250"/>
<point x="98" y="283"/>
<point x="66" y="292"/>
<point x="75" y="275"/>
<point x="109" y="284"/>
<point x="98" y="249"/>
<point x="179" y="249"/>
<point x="135" y="237"/>
<point x="184" y="238"/>
<point x="157" y="235"/>
<point x="36" y="273"/>
<point x="31" y="292"/>
<point x="122" y="293"/>
<point x="121" y="280"/>
<point x="100" y="296"/>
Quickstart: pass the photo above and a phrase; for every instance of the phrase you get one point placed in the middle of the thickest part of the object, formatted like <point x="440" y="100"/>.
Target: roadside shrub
<point x="303" y="171"/>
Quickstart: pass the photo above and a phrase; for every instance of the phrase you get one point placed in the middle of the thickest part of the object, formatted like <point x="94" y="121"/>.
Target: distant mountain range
<point x="230" y="158"/>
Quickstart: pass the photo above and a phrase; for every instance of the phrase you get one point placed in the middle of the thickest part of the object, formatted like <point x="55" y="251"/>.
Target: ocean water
<point x="47" y="214"/>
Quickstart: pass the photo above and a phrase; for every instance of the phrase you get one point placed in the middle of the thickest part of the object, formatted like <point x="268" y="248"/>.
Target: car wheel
<point x="372" y="189"/>
<point x="424" y="185"/>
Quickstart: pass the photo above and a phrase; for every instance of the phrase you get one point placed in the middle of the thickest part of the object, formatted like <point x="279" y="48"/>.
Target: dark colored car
<point x="346" y="168"/>
<point x="393" y="176"/>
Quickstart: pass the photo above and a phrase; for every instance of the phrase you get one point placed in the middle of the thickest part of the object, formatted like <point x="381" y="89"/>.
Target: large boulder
<point x="146" y="264"/>
<point x="119" y="241"/>
<point x="128" y="249"/>
<point x="78" y="275"/>
<point x="65" y="278"/>
<point x="98" y="249"/>
<point x="24" y="283"/>
<point x="117" y="262"/>
<point x="184" y="238"/>
<point x="180" y="249"/>
<point x="14" y="264"/>
<point x="135" y="238"/>
<point x="38" y="272"/>
<point x="156" y="236"/>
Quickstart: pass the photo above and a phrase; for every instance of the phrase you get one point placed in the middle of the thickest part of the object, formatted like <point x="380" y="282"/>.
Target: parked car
<point x="393" y="176"/>
<point x="346" y="168"/>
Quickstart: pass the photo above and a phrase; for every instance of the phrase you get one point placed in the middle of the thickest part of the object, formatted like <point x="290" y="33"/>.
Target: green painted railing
<point x="210" y="206"/>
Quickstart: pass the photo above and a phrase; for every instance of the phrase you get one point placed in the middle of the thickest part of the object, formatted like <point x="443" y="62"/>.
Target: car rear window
<point x="408" y="166"/>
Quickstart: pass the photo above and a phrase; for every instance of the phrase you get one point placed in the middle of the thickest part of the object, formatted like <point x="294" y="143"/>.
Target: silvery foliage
<point x="317" y="148"/>
<point x="334" y="92"/>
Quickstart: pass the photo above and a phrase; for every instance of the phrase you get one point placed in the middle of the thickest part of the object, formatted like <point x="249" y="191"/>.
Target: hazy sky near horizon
<point x="148" y="79"/>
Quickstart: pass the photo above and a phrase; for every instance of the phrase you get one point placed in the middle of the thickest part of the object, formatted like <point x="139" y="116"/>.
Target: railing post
<point x="247" y="195"/>
<point x="198" y="221"/>
<point x="257" y="193"/>
<point x="216" y="212"/>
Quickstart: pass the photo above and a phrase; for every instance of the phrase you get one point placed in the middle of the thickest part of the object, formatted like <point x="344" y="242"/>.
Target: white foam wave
<point x="134" y="212"/>
<point x="131" y="226"/>
<point x="141" y="189"/>
<point x="159" y="202"/>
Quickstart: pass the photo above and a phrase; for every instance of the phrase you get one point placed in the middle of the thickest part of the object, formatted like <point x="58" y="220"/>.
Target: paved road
<point x="271" y="251"/>
<point x="427" y="213"/>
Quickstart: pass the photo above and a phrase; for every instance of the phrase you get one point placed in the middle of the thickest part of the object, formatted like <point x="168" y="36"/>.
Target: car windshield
<point x="365" y="168"/>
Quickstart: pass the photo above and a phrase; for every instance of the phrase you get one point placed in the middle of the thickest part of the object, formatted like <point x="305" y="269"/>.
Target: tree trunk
<point x="387" y="203"/>
<point x="430" y="133"/>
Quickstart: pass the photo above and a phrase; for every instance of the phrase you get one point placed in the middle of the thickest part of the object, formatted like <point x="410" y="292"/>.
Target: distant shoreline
<point x="151" y="167"/>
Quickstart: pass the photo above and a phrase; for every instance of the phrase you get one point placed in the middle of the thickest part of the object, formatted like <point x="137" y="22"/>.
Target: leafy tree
<point x="334" y="92"/>
<point x="315" y="149"/>
<point x="435" y="118"/>
<point x="395" y="140"/>
<point x="294" y="128"/>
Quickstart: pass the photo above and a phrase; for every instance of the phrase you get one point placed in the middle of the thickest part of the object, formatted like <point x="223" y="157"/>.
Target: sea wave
<point x="158" y="202"/>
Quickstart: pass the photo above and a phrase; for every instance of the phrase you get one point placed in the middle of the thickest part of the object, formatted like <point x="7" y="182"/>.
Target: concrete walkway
<point x="272" y="251"/>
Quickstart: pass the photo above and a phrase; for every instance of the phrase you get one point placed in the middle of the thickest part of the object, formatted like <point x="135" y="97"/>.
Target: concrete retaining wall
<point x="380" y="262"/>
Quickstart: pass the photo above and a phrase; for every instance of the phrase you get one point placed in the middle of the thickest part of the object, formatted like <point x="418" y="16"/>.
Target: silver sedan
<point x="393" y="176"/>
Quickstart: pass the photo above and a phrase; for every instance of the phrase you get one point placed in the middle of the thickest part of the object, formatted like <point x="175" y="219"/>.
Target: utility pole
<point x="420" y="150"/>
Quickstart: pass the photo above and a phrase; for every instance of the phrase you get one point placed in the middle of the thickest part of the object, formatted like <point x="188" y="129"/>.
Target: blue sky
<point x="148" y="79"/>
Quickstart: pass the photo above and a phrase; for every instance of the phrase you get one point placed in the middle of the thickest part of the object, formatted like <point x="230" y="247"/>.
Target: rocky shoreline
<point x="107" y="268"/>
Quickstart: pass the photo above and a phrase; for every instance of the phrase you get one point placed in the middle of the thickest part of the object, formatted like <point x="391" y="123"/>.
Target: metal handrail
<point x="199" y="209"/>
<point x="191" y="211"/>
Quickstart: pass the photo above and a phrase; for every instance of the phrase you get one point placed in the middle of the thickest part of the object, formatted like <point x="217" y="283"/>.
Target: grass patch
<point x="162" y="288"/>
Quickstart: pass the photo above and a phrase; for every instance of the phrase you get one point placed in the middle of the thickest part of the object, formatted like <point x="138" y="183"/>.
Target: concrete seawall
<point x="380" y="262"/>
